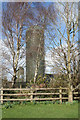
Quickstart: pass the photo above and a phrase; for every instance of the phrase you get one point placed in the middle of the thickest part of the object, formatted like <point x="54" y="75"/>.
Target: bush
<point x="34" y="102"/>
<point x="57" y="102"/>
<point x="7" y="105"/>
<point x="24" y="102"/>
<point x="16" y="103"/>
<point x="74" y="101"/>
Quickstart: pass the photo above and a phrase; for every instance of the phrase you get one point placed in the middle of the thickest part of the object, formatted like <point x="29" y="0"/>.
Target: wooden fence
<point x="30" y="94"/>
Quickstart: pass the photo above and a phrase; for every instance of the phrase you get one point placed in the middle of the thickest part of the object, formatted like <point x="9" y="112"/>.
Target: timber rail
<point x="31" y="94"/>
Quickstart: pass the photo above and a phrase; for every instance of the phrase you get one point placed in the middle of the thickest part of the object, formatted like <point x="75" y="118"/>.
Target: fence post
<point x="20" y="88"/>
<point x="31" y="94"/>
<point x="1" y="95"/>
<point x="60" y="95"/>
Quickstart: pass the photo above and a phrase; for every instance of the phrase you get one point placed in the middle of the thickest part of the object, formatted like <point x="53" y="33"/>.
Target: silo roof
<point x="34" y="27"/>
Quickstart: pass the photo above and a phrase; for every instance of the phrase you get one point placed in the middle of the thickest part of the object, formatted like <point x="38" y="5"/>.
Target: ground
<point x="41" y="111"/>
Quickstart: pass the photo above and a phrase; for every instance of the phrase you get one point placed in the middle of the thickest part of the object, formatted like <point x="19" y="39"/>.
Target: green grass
<point x="42" y="111"/>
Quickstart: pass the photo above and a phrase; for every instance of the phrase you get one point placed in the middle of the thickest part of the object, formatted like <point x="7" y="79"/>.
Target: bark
<point x="70" y="94"/>
<point x="39" y="53"/>
<point x="69" y="62"/>
<point x="36" y="70"/>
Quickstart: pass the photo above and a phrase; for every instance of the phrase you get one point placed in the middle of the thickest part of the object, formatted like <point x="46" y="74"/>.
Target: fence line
<point x="28" y="89"/>
<point x="31" y="93"/>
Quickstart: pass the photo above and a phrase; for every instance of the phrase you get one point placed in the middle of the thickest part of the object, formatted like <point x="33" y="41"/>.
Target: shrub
<point x="7" y="105"/>
<point x="24" y="102"/>
<point x="57" y="102"/>
<point x="34" y="102"/>
<point x="16" y="102"/>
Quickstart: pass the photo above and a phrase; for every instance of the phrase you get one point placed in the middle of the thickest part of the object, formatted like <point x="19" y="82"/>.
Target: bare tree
<point x="64" y="46"/>
<point x="45" y="18"/>
<point x="42" y="21"/>
<point x="15" y="19"/>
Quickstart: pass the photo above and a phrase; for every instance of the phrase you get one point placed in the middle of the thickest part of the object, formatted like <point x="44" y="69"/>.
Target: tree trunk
<point x="68" y="54"/>
<point x="14" y="78"/>
<point x="70" y="94"/>
<point x="36" y="70"/>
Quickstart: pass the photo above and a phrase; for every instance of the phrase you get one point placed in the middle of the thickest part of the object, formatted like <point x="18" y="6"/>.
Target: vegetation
<point x="16" y="19"/>
<point x="41" y="110"/>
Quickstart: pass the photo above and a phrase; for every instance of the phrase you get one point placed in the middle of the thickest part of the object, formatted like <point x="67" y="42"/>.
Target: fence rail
<point x="31" y="94"/>
<point x="28" y="89"/>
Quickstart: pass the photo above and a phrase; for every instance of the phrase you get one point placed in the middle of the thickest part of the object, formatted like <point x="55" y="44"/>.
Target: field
<point x="42" y="111"/>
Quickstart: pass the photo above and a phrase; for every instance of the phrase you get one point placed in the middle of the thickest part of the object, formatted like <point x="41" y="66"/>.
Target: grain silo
<point x="20" y="75"/>
<point x="34" y="52"/>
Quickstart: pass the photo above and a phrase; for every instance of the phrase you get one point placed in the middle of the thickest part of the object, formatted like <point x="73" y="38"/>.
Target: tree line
<point x="59" y="22"/>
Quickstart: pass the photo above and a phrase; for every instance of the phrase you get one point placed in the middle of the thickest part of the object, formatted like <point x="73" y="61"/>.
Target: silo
<point x="34" y="52"/>
<point x="20" y="75"/>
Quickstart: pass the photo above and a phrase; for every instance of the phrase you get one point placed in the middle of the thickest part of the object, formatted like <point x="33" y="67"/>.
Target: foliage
<point x="4" y="81"/>
<point x="7" y="105"/>
<point x="16" y="103"/>
<point x="74" y="102"/>
<point x="60" y="80"/>
<point x="42" y="111"/>
<point x="40" y="81"/>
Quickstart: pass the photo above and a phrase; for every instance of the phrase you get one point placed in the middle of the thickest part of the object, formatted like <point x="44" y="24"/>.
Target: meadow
<point x="41" y="110"/>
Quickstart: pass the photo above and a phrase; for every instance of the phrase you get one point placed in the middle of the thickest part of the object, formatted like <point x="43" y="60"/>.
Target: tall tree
<point x="43" y="19"/>
<point x="64" y="47"/>
<point x="15" y="19"/>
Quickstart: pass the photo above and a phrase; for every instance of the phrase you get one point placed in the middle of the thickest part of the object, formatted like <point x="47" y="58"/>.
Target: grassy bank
<point x="42" y="111"/>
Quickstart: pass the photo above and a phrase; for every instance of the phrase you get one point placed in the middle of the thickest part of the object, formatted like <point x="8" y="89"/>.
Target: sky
<point x="48" y="57"/>
<point x="48" y="61"/>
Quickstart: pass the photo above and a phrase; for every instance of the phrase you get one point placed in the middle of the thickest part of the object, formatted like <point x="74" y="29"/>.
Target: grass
<point x="42" y="111"/>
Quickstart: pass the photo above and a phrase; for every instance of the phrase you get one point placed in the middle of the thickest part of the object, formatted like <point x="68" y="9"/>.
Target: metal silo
<point x="34" y="52"/>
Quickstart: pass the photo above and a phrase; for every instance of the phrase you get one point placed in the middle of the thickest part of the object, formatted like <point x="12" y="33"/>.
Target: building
<point x="20" y="75"/>
<point x="34" y="52"/>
